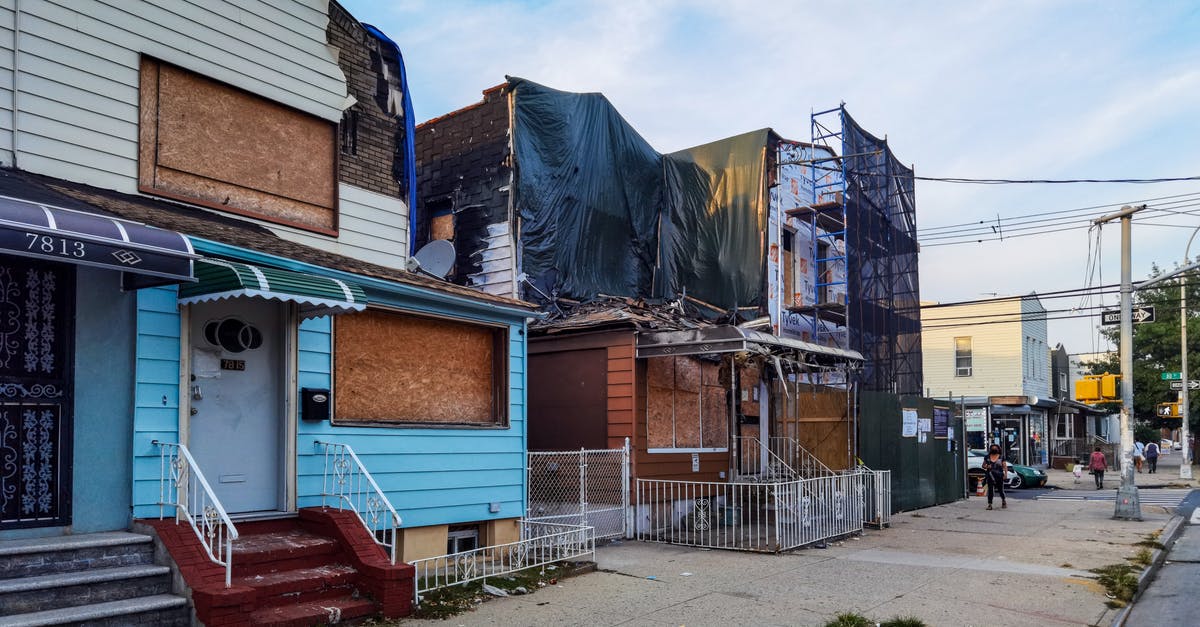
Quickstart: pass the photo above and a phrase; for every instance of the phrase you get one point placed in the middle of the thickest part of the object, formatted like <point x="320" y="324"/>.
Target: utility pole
<point x="1185" y="461"/>
<point x="1129" y="506"/>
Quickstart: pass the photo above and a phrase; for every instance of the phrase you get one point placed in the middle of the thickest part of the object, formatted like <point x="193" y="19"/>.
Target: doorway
<point x="236" y="425"/>
<point x="1009" y="433"/>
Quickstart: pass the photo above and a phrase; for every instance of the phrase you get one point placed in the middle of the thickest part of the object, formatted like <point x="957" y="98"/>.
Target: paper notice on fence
<point x="908" y="423"/>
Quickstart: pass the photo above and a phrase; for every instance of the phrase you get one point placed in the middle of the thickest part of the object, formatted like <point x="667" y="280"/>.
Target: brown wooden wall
<point x="545" y="404"/>
<point x="625" y="406"/>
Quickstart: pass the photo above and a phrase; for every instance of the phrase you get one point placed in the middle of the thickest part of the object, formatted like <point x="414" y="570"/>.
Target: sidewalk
<point x="1166" y="477"/>
<point x="1171" y="597"/>
<point x="955" y="564"/>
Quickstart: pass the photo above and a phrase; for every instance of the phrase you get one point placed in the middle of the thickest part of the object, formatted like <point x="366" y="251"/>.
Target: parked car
<point x="1028" y="476"/>
<point x="1168" y="445"/>
<point x="975" y="471"/>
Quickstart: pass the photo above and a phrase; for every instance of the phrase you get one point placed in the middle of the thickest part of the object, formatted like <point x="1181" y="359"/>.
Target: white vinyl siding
<point x="996" y="349"/>
<point x="78" y="90"/>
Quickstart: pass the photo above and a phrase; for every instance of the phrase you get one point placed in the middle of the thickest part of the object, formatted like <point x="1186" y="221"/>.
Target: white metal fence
<point x="877" y="497"/>
<point x="767" y="516"/>
<point x="541" y="544"/>
<point x="584" y="487"/>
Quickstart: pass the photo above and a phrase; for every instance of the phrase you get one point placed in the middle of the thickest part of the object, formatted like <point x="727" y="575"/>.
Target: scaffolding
<point x="861" y="220"/>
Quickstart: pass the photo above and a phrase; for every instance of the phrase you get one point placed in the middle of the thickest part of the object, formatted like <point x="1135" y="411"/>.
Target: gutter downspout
<point x="16" y="77"/>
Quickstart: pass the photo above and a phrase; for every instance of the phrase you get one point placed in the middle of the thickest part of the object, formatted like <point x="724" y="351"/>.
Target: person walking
<point x="1151" y="453"/>
<point x="1097" y="464"/>
<point x="995" y="469"/>
<point x="1138" y="455"/>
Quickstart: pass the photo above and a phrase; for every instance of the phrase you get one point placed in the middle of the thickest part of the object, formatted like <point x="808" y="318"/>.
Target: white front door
<point x="236" y="428"/>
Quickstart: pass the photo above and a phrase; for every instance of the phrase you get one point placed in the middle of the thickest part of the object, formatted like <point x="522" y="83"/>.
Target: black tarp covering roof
<point x="603" y="213"/>
<point x="589" y="191"/>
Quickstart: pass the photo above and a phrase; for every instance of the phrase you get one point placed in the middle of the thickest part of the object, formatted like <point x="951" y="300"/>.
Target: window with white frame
<point x="962" y="356"/>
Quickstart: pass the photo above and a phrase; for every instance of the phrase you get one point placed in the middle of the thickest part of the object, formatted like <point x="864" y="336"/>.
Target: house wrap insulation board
<point x="603" y="213"/>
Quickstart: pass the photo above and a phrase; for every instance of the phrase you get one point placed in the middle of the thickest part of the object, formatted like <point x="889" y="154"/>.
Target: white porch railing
<point x="800" y="459"/>
<point x="541" y="544"/>
<point x="765" y="516"/>
<point x="758" y="463"/>
<point x="347" y="481"/>
<point x="182" y="485"/>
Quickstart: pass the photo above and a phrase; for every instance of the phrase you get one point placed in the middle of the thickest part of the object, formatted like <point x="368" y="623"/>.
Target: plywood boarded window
<point x="686" y="406"/>
<point x="393" y="368"/>
<point x="211" y="144"/>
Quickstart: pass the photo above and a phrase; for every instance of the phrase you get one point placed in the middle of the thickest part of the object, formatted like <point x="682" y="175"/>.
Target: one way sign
<point x="1141" y="313"/>
<point x="1194" y="384"/>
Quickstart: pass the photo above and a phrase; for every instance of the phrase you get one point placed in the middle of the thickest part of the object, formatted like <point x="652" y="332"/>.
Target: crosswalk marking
<point x="1161" y="498"/>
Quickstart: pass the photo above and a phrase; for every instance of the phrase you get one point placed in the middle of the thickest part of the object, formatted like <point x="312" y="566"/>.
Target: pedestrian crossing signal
<point x="1167" y="410"/>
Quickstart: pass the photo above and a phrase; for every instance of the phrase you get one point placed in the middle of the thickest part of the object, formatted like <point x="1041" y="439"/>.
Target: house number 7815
<point x="54" y="245"/>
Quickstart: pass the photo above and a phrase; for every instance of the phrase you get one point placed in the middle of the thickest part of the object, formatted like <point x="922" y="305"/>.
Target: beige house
<point x="993" y="355"/>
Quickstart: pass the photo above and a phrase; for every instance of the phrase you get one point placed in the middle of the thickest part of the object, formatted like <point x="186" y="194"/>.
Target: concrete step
<point x="161" y="609"/>
<point x="58" y="590"/>
<point x="64" y="554"/>
<point x="324" y="612"/>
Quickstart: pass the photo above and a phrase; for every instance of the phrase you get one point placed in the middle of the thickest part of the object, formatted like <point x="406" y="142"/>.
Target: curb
<point x="1167" y="539"/>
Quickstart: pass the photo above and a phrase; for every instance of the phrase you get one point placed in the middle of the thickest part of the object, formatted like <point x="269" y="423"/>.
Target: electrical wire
<point x="1075" y="210"/>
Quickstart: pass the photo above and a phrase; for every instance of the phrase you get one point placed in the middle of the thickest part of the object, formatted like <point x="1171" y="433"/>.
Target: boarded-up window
<point x="208" y="143"/>
<point x="686" y="406"/>
<point x="397" y="368"/>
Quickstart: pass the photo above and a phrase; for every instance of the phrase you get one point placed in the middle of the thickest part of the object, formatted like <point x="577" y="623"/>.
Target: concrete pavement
<point x="955" y="564"/>
<point x="1167" y="476"/>
<point x="1171" y="598"/>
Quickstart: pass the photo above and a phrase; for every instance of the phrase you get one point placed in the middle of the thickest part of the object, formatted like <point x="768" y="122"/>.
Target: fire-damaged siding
<point x="464" y="176"/>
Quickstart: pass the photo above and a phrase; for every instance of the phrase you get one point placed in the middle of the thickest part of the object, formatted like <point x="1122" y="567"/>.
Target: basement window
<point x="461" y="538"/>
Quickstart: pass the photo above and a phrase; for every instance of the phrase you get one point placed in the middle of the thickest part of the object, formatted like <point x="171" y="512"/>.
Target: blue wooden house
<point x="221" y="331"/>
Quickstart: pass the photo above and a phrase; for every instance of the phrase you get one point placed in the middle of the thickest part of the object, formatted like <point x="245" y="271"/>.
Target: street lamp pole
<point x="1128" y="506"/>
<point x="1185" y="462"/>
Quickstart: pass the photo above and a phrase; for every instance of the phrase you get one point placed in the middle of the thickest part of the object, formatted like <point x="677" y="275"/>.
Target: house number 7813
<point x="54" y="245"/>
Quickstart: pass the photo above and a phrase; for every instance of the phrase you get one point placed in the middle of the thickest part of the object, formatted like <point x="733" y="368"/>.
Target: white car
<point x="975" y="469"/>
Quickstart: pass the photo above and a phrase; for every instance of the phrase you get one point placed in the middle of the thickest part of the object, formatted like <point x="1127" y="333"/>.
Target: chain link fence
<point x="584" y="487"/>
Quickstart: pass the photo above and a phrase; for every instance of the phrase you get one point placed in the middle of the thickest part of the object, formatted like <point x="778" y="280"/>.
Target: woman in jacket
<point x="1097" y="464"/>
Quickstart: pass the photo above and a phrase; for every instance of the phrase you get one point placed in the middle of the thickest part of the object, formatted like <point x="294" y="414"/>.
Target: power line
<point x="985" y="226"/>
<point x="1065" y="293"/>
<point x="1077" y="223"/>
<point x="957" y="179"/>
<point x="1061" y="211"/>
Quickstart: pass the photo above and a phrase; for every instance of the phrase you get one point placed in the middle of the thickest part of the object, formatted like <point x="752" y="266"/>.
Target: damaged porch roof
<point x="732" y="339"/>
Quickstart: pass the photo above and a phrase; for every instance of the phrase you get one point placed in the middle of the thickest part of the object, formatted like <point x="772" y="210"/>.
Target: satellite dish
<point x="435" y="259"/>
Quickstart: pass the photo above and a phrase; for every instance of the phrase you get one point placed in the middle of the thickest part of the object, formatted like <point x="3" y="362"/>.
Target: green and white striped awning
<point x="316" y="295"/>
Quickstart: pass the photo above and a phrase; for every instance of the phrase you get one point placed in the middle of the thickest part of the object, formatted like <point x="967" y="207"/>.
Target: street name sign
<point x="1194" y="384"/>
<point x="1171" y="376"/>
<point x="1141" y="313"/>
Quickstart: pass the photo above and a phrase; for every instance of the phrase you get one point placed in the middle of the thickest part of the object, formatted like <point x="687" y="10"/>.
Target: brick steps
<point x="323" y="612"/>
<point x="300" y="581"/>
<point x="97" y="579"/>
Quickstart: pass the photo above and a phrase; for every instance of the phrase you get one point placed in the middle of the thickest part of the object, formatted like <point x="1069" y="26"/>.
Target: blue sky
<point x="1015" y="89"/>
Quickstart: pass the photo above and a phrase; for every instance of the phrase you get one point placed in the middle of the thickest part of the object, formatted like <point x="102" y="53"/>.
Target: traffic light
<point x="1109" y="387"/>
<point x="1087" y="389"/>
<point x="1097" y="388"/>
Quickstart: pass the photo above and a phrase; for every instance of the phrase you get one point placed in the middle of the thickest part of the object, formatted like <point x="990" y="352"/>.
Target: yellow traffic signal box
<point x="1167" y="410"/>
<point x="1095" y="388"/>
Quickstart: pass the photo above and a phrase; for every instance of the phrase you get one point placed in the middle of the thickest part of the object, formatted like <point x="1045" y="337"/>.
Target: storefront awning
<point x="731" y="339"/>
<point x="316" y="295"/>
<point x="148" y="256"/>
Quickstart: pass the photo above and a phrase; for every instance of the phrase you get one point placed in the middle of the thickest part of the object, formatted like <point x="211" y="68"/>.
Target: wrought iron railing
<point x="756" y="462"/>
<point x="182" y="485"/>
<point x="744" y="516"/>
<point x="877" y="497"/>
<point x="541" y="544"/>
<point x="347" y="480"/>
<point x="800" y="459"/>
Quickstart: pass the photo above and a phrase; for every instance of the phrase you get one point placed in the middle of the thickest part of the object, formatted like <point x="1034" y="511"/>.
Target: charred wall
<point x="371" y="134"/>
<point x="464" y="181"/>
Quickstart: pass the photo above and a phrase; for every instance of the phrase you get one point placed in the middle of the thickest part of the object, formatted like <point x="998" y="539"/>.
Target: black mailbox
<point x="314" y="404"/>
